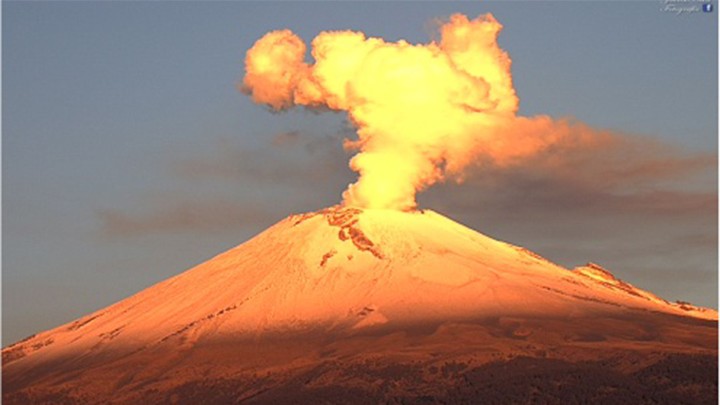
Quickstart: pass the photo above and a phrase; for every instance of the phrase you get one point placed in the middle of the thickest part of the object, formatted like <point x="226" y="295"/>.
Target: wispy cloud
<point x="250" y="187"/>
<point x="627" y="176"/>
<point x="621" y="175"/>
<point x="643" y="208"/>
<point x="197" y="216"/>
<point x="646" y="210"/>
<point x="289" y="159"/>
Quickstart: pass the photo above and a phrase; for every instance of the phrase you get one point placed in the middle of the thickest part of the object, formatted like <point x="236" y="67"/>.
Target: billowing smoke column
<point x="423" y="112"/>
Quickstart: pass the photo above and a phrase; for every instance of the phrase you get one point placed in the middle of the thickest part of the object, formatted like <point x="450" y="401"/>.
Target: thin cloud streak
<point x="629" y="176"/>
<point x="645" y="210"/>
<point x="291" y="159"/>
<point x="255" y="187"/>
<point x="185" y="216"/>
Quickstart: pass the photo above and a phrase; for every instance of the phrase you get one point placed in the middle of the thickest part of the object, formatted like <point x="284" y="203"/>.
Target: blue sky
<point x="129" y="156"/>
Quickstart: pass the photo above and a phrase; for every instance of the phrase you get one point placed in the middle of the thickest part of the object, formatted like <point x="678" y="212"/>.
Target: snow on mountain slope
<point x="344" y="268"/>
<point x="367" y="302"/>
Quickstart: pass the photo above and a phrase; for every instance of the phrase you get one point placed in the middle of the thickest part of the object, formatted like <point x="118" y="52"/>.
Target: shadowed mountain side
<point x="412" y="363"/>
<point x="504" y="360"/>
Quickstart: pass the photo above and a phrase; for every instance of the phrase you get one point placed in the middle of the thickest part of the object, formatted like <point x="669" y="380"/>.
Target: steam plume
<point x="423" y="112"/>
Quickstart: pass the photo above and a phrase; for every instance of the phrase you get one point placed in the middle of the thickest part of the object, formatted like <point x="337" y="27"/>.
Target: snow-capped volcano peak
<point x="338" y="275"/>
<point x="351" y="268"/>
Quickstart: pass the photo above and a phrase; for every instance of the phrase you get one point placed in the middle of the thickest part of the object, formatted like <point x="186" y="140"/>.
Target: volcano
<point x="346" y="305"/>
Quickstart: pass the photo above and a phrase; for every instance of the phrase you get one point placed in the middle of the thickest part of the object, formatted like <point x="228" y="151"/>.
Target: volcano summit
<point x="347" y="305"/>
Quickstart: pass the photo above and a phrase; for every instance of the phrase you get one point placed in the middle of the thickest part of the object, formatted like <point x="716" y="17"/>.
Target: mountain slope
<point x="344" y="280"/>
